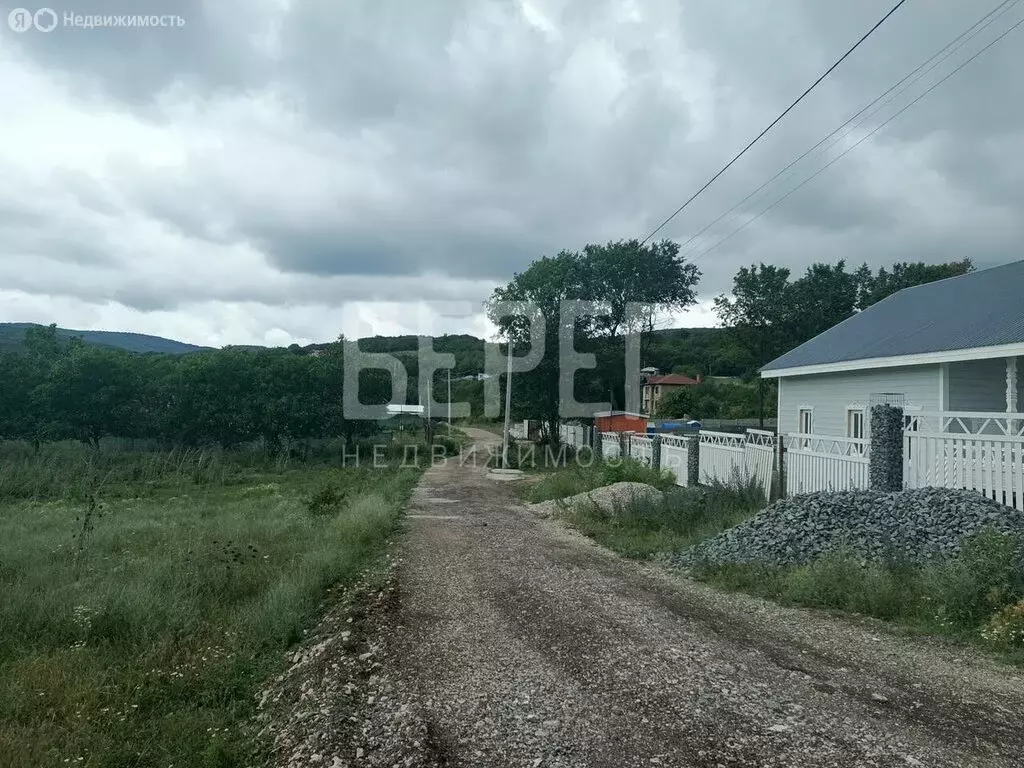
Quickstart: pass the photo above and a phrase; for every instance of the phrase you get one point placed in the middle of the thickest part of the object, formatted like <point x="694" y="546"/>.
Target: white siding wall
<point x="978" y="385"/>
<point x="830" y="393"/>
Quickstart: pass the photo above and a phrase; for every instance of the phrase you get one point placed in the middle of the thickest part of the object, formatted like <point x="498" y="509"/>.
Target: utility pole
<point x="508" y="407"/>
<point x="449" y="402"/>
<point x="430" y="397"/>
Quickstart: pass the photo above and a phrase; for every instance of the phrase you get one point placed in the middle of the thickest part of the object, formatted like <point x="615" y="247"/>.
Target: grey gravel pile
<point x="917" y="524"/>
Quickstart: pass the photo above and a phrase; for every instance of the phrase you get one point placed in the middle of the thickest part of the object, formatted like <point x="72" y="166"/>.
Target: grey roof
<point x="979" y="309"/>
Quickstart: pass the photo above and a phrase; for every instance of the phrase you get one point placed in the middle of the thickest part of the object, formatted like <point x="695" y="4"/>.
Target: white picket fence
<point x="726" y="458"/>
<point x="760" y="452"/>
<point x="641" y="448"/>
<point x="722" y="457"/>
<point x="675" y="455"/>
<point x="981" y="452"/>
<point x="610" y="445"/>
<point x="821" y="463"/>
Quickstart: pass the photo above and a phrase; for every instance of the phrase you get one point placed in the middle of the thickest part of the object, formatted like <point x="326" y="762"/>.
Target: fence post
<point x="782" y="466"/>
<point x="597" y="445"/>
<point x="885" y="463"/>
<point x="693" y="461"/>
<point x="624" y="445"/>
<point x="656" y="452"/>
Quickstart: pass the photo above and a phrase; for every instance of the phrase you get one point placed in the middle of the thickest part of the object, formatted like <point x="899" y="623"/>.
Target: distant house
<point x="955" y="345"/>
<point x="656" y="387"/>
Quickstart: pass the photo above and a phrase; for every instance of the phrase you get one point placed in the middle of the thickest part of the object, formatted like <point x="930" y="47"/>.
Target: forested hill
<point x="13" y="335"/>
<point x="696" y="350"/>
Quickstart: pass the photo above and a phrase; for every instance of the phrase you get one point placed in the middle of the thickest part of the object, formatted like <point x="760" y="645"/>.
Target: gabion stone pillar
<point x="693" y="460"/>
<point x="656" y="452"/>
<point x="623" y="445"/>
<point x="885" y="462"/>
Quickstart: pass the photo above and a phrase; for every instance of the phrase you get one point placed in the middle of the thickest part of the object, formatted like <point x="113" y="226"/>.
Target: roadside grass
<point x="642" y="528"/>
<point x="975" y="597"/>
<point x="137" y="625"/>
<point x="586" y="474"/>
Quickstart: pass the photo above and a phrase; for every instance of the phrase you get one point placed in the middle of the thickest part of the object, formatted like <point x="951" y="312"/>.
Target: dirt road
<point x="509" y="641"/>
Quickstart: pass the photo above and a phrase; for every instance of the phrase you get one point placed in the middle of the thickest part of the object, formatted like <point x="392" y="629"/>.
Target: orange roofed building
<point x="656" y="387"/>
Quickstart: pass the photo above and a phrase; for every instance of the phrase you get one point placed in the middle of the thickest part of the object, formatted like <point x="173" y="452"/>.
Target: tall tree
<point x="618" y="274"/>
<point x="545" y="283"/>
<point x="905" y="275"/>
<point x="825" y="296"/>
<point x="759" y="315"/>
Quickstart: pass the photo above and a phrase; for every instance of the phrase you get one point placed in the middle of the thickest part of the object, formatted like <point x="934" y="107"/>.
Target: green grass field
<point x="136" y="630"/>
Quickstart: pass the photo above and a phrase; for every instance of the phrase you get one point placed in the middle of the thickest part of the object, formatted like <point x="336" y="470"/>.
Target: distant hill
<point x="13" y="334"/>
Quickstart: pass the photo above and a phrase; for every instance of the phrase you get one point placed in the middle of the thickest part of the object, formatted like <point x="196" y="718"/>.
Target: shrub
<point x="1006" y="628"/>
<point x="986" y="575"/>
<point x="326" y="502"/>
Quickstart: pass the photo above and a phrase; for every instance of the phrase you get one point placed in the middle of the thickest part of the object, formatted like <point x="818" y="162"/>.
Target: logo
<point x="22" y="20"/>
<point x="45" y="20"/>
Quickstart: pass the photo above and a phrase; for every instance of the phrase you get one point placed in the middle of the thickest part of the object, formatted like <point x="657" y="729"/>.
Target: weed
<point x="326" y="502"/>
<point x="643" y="527"/>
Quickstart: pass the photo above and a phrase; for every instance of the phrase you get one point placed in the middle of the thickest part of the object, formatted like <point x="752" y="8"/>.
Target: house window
<point x="855" y="422"/>
<point x="806" y="421"/>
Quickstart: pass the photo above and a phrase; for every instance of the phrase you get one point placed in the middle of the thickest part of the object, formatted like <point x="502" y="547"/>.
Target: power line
<point x="913" y="77"/>
<point x="857" y="143"/>
<point x="772" y="124"/>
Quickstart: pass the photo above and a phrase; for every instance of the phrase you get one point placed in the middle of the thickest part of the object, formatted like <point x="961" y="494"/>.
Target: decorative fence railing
<point x="969" y="450"/>
<point x="722" y="457"/>
<point x="821" y="463"/>
<point x="759" y="453"/>
<point x="982" y="452"/>
<point x="610" y="445"/>
<point x="675" y="457"/>
<point x="729" y="458"/>
<point x="641" y="448"/>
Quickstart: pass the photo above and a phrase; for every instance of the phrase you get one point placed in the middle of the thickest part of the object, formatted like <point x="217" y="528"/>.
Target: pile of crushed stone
<point x="917" y="524"/>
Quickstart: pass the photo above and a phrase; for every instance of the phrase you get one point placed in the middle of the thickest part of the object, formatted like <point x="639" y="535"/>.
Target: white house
<point x="955" y="345"/>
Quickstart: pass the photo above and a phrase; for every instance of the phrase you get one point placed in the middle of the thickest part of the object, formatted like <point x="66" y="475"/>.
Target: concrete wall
<point x="829" y="394"/>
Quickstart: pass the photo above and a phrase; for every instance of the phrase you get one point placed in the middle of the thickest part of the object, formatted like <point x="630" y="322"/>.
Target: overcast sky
<point x="287" y="170"/>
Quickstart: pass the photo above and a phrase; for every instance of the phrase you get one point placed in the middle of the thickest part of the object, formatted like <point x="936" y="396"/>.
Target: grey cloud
<point x="212" y="51"/>
<point x="493" y="165"/>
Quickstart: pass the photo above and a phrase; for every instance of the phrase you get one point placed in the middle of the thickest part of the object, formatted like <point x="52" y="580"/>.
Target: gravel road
<point x="509" y="641"/>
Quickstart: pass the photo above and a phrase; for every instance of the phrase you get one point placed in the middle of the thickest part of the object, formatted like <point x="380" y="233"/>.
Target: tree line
<point x="55" y="391"/>
<point x="766" y="314"/>
<point x="51" y="389"/>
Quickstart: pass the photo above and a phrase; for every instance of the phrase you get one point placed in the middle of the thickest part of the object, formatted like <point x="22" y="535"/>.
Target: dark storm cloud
<point x="211" y="52"/>
<point x="505" y="140"/>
